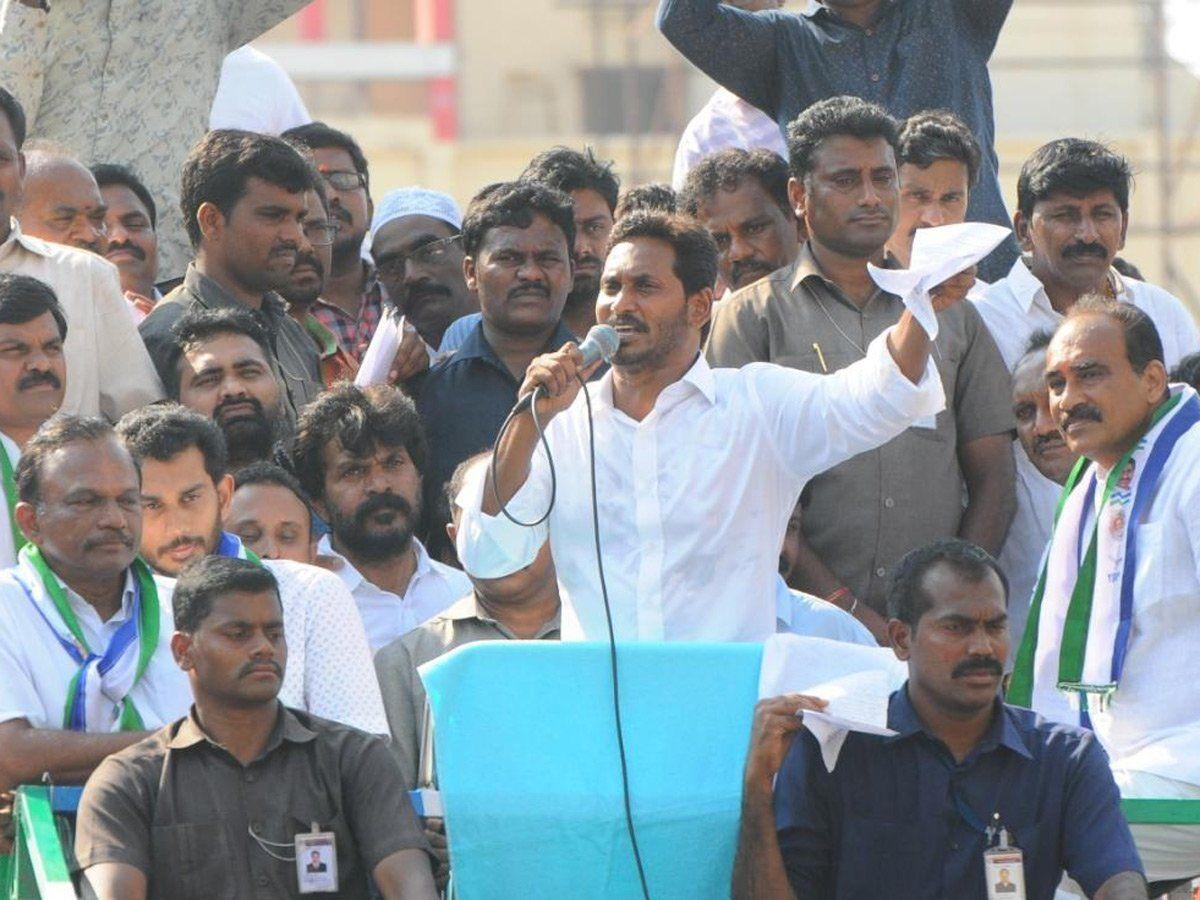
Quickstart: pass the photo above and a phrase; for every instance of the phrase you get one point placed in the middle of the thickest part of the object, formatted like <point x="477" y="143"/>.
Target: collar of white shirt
<point x="18" y="238"/>
<point x="699" y="378"/>
<point x="89" y="619"/>
<point x="1027" y="288"/>
<point x="352" y="578"/>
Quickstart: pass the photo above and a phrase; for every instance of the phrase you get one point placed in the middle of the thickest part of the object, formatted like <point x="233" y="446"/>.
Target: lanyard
<point x="10" y="498"/>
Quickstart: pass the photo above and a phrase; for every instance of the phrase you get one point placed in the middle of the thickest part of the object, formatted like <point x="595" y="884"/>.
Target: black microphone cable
<point x="612" y="640"/>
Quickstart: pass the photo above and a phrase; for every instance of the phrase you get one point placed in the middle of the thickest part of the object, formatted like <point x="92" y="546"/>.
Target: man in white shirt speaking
<point x="697" y="470"/>
<point x="1113" y="624"/>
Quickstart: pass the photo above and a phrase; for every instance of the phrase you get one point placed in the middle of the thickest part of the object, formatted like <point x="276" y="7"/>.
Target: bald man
<point x="62" y="202"/>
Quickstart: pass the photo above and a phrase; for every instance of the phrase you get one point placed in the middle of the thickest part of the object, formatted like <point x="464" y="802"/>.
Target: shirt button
<point x="256" y="827"/>
<point x="889" y="502"/>
<point x="250" y="777"/>
<point x="875" y="77"/>
<point x="870" y="32"/>
<point x="264" y="881"/>
<point x="881" y="571"/>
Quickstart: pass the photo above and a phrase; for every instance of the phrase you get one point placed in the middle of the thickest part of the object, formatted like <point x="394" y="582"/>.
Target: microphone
<point x="601" y="343"/>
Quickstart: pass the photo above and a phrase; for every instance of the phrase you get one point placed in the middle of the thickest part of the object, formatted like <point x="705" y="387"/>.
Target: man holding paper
<point x="914" y="813"/>
<point x="1113" y="619"/>
<point x="820" y="314"/>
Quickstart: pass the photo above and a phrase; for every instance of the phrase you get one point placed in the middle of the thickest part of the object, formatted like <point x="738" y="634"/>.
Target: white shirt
<point x="434" y="586"/>
<point x="1021" y="556"/>
<point x="694" y="500"/>
<point x="726" y="121"/>
<point x="255" y="94"/>
<point x="330" y="672"/>
<point x="1153" y="723"/>
<point x="35" y="671"/>
<point x="1017" y="305"/>
<point x="8" y="553"/>
<point x="799" y="613"/>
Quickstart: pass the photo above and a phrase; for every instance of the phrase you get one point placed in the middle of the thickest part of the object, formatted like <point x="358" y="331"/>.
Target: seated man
<point x="361" y="456"/>
<point x="185" y="492"/>
<point x="33" y="375"/>
<point x="218" y="803"/>
<point x="908" y="815"/>
<point x="219" y="366"/>
<point x="271" y="514"/>
<point x="85" y="666"/>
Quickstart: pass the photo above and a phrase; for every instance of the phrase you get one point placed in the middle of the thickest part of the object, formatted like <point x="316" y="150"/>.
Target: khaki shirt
<point x="403" y="693"/>
<point x="108" y="370"/>
<point x="863" y="515"/>
<point x="296" y="363"/>
<point x="129" y="81"/>
<point x="180" y="808"/>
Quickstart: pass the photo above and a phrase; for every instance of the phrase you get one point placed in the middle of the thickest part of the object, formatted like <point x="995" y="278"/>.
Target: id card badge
<point x="1004" y="869"/>
<point x="316" y="862"/>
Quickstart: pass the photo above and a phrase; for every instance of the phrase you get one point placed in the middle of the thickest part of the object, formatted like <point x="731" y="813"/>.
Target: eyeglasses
<point x="343" y="180"/>
<point x="392" y="267"/>
<point x="321" y="234"/>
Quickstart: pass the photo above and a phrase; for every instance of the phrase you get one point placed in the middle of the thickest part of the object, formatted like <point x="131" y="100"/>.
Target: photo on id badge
<point x="1005" y="874"/>
<point x="316" y="863"/>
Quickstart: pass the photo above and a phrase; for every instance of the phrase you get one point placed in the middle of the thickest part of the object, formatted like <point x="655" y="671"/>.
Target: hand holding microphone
<point x="558" y="374"/>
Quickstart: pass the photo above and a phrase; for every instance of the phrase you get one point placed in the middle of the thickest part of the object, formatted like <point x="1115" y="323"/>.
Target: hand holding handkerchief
<point x="937" y="255"/>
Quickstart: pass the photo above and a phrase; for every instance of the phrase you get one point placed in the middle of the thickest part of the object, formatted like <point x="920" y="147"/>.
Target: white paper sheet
<point x="857" y="681"/>
<point x="937" y="254"/>
<point x="381" y="352"/>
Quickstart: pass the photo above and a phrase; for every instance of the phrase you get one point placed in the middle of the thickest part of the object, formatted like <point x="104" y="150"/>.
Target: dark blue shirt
<point x="916" y="55"/>
<point x="889" y="821"/>
<point x="464" y="400"/>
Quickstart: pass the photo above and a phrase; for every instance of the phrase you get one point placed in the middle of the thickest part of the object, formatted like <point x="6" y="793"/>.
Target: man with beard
<point x="32" y="374"/>
<point x="819" y="315"/>
<point x="85" y="628"/>
<point x="185" y="493"/>
<point x="518" y="243"/>
<point x="360" y="455"/>
<point x="741" y="197"/>
<point x="244" y="203"/>
<point x="594" y="189"/>
<point x="220" y="369"/>
<point x="131" y="219"/>
<point x="62" y="202"/>
<point x="908" y="815"/>
<point x="1071" y="220"/>
<point x="697" y="469"/>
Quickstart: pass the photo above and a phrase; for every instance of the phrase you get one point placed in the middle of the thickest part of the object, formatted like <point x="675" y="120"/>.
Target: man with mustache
<point x="185" y="494"/>
<point x="517" y="241"/>
<point x="741" y="197"/>
<point x="210" y="805"/>
<point x="819" y="314"/>
<point x="244" y="202"/>
<point x="32" y="376"/>
<point x="908" y="815"/>
<point x="1115" y="610"/>
<point x="62" y="202"/>
<point x="85" y="660"/>
<point x="220" y="368"/>
<point x="131" y="219"/>
<point x="594" y="189"/>
<point x="361" y="455"/>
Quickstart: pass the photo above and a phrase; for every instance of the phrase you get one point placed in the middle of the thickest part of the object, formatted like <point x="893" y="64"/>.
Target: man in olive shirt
<point x="212" y="805"/>
<point x="819" y="314"/>
<point x="245" y="204"/>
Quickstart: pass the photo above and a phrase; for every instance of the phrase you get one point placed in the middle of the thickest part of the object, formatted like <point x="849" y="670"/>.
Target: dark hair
<point x="210" y="578"/>
<point x="263" y="472"/>
<point x="725" y="170"/>
<point x="695" y="252"/>
<point x="1074" y="167"/>
<point x="358" y="419"/>
<point x="1188" y="370"/>
<point x="569" y="170"/>
<point x="15" y="113"/>
<point x="516" y="203"/>
<point x="217" y="169"/>
<point x="938" y="134"/>
<point x="198" y="325"/>
<point x="836" y="117"/>
<point x="162" y="431"/>
<point x="1039" y="340"/>
<point x="1142" y="343"/>
<point x="907" y="599"/>
<point x="24" y="298"/>
<point x="657" y="196"/>
<point x="58" y="431"/>
<point x="1128" y="269"/>
<point x="319" y="136"/>
<point x="107" y="174"/>
<point x="459" y="477"/>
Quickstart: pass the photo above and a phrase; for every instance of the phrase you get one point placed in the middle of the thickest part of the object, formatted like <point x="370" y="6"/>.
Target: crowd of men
<point x="231" y="538"/>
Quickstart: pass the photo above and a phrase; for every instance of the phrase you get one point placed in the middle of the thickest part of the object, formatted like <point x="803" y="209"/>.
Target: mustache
<point x="260" y="664"/>
<point x="285" y="248"/>
<point x="339" y="212"/>
<point x="987" y="664"/>
<point x="427" y="287"/>
<point x="629" y="322"/>
<point x="253" y="402"/>
<point x="529" y="288"/>
<point x="381" y="503"/>
<point x="586" y="259"/>
<point x="35" y="378"/>
<point x="309" y="259"/>
<point x="1041" y="441"/>
<point x="743" y="267"/>
<point x="1085" y="413"/>
<point x="183" y="541"/>
<point x="132" y="248"/>
<point x="123" y="537"/>
<point x="1081" y="249"/>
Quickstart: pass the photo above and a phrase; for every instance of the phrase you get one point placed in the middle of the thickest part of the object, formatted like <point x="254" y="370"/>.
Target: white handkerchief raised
<point x="856" y="680"/>
<point x="937" y="254"/>
<point x="381" y="352"/>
